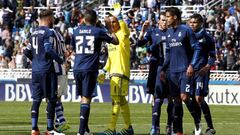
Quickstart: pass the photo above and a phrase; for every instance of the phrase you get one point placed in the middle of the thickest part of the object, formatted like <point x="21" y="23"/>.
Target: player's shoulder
<point x="185" y="27"/>
<point x="42" y="30"/>
<point x="209" y="36"/>
<point x="87" y="29"/>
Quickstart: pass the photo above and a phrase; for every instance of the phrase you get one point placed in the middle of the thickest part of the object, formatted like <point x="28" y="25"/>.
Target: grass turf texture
<point x="15" y="118"/>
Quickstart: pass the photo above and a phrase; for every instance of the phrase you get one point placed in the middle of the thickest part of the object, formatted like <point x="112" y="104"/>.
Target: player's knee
<point x="123" y="100"/>
<point x="184" y="97"/>
<point x="199" y="99"/>
<point x="85" y="100"/>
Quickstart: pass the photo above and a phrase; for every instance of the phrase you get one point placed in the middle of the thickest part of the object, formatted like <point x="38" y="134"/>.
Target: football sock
<point x="197" y="108"/>
<point x="125" y="112"/>
<point x="191" y="108"/>
<point x="87" y="128"/>
<point x="34" y="114"/>
<point x="84" y="113"/>
<point x="59" y="113"/>
<point x="114" y="116"/>
<point x="156" y="112"/>
<point x="50" y="124"/>
<point x="50" y="114"/>
<point x="169" y="113"/>
<point x="178" y="116"/>
<point x="207" y="113"/>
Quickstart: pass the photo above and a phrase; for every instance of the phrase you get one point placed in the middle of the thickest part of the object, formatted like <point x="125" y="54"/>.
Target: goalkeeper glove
<point x="117" y="11"/>
<point x="101" y="76"/>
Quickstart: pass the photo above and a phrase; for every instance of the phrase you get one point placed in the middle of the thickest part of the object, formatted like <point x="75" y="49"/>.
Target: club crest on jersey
<point x="179" y="34"/>
<point x="169" y="36"/>
<point x="164" y="37"/>
<point x="202" y="40"/>
<point x="157" y="35"/>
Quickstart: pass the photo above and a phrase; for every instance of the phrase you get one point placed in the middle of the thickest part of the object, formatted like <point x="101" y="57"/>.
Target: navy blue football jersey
<point x="86" y="42"/>
<point x="182" y="49"/>
<point x="157" y="40"/>
<point x="207" y="55"/>
<point x="41" y="51"/>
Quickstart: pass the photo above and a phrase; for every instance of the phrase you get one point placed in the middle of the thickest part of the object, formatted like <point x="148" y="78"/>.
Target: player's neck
<point x="43" y="23"/>
<point x="176" y="24"/>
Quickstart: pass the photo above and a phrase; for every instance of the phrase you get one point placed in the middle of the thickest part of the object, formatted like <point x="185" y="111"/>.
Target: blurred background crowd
<point x="17" y="23"/>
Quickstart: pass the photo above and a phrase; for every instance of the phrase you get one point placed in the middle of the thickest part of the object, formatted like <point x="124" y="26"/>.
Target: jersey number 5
<point x="81" y="48"/>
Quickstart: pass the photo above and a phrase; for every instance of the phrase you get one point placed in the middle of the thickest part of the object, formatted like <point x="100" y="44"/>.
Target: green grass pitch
<point x="15" y="118"/>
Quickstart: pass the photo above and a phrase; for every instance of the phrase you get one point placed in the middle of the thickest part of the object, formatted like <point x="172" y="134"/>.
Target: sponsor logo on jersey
<point x="179" y="34"/>
<point x="175" y="44"/>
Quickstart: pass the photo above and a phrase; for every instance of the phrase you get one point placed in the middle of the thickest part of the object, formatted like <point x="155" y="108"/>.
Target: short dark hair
<point x="90" y="16"/>
<point x="161" y="13"/>
<point x="174" y="11"/>
<point x="46" y="13"/>
<point x="198" y="17"/>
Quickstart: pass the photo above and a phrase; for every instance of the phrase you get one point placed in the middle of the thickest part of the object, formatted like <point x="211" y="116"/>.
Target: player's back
<point x="86" y="42"/>
<point x="40" y="38"/>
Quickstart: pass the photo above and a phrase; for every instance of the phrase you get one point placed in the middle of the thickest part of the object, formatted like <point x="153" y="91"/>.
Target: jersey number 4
<point x="85" y="44"/>
<point x="35" y="44"/>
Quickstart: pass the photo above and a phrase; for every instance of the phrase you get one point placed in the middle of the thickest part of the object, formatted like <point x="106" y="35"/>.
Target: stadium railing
<point x="216" y="75"/>
<point x="41" y="8"/>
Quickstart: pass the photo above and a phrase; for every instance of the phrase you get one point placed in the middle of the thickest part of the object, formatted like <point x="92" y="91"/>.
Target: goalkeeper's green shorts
<point x="119" y="86"/>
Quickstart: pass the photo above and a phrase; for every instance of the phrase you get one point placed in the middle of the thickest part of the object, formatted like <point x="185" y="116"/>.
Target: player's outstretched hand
<point x="101" y="76"/>
<point x="117" y="9"/>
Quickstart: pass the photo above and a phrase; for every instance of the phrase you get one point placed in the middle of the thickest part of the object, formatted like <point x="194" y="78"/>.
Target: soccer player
<point x="182" y="54"/>
<point x="44" y="79"/>
<point x="157" y="37"/>
<point x="61" y="70"/>
<point x="201" y="77"/>
<point x="86" y="42"/>
<point x="118" y="67"/>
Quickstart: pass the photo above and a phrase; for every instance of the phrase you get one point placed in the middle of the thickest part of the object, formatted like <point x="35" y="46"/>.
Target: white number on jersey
<point x="80" y="49"/>
<point x="199" y="85"/>
<point x="35" y="43"/>
<point x="187" y="88"/>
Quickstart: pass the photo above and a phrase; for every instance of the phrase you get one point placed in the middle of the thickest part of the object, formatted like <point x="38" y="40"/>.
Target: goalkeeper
<point x="118" y="67"/>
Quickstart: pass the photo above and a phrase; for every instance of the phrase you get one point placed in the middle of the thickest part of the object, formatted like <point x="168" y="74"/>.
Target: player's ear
<point x="175" y="17"/>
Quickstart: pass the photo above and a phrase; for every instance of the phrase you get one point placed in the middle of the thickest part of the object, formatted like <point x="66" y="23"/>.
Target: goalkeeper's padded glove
<point x="117" y="11"/>
<point x="101" y="76"/>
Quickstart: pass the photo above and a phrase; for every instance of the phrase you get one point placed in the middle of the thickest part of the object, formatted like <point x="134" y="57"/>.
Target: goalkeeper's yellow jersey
<point x="119" y="55"/>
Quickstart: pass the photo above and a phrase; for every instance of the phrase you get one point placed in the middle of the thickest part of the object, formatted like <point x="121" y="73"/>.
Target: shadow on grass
<point x="26" y="132"/>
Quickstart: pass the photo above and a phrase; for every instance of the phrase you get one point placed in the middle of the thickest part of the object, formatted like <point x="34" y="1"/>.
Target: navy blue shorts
<point x="200" y="85"/>
<point x="85" y="82"/>
<point x="179" y="83"/>
<point x="161" y="88"/>
<point x="44" y="85"/>
<point x="153" y="67"/>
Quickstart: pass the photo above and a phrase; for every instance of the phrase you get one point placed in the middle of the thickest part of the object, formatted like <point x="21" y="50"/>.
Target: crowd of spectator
<point x="16" y="25"/>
